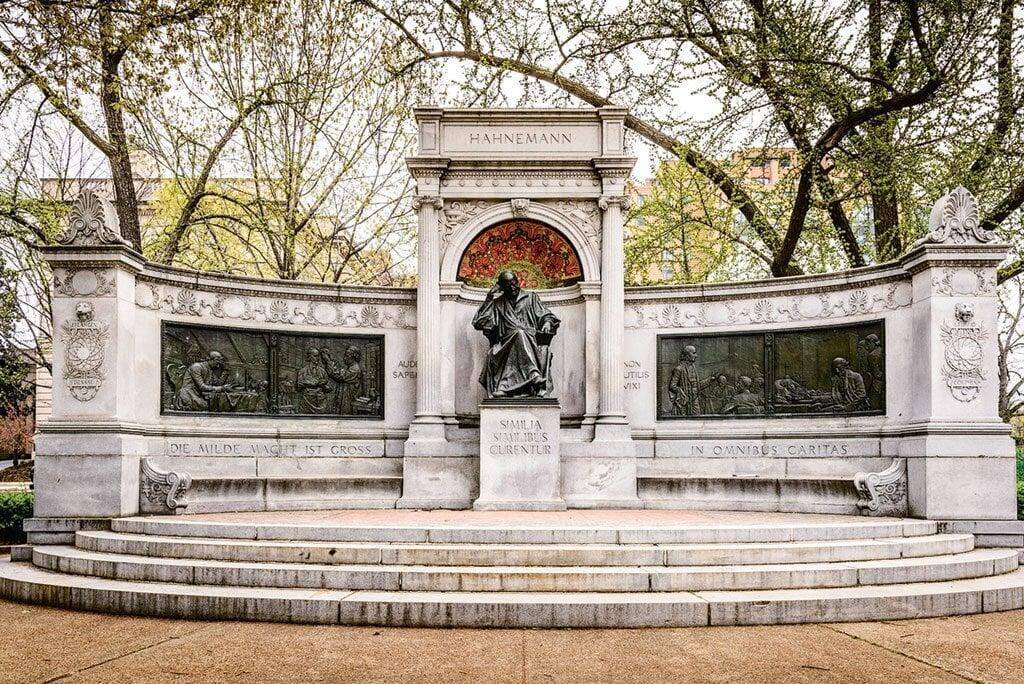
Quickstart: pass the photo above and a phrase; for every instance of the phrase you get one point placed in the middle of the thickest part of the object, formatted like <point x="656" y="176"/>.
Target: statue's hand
<point x="546" y="328"/>
<point x="493" y="291"/>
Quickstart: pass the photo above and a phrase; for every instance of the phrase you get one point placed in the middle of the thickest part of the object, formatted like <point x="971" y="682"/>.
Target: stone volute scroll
<point x="92" y="222"/>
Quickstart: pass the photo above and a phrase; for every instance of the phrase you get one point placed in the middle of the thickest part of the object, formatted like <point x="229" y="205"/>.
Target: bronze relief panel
<point x="209" y="370"/>
<point x="838" y="370"/>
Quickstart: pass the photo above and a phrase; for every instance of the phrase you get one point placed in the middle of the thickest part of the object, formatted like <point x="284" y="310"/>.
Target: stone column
<point x="611" y="422"/>
<point x="434" y="474"/>
<point x="428" y="321"/>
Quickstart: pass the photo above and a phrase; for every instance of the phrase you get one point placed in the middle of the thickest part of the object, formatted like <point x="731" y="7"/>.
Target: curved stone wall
<point x="928" y="441"/>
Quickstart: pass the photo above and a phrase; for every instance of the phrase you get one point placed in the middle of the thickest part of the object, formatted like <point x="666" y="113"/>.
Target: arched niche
<point x="543" y="257"/>
<point x="568" y="227"/>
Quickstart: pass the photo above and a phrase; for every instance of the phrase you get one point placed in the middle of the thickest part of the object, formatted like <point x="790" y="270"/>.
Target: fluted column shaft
<point x="428" y="312"/>
<point x="612" y="292"/>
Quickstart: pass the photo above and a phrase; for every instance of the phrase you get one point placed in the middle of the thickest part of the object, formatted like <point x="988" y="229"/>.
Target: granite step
<point x="178" y="526"/>
<point x="336" y="553"/>
<point x="27" y="583"/>
<point x="75" y="561"/>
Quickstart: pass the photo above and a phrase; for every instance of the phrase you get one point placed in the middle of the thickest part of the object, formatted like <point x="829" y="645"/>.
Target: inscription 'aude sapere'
<point x="520" y="437"/>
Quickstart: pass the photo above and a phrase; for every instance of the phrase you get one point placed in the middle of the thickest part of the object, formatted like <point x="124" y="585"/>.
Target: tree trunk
<point x="885" y="210"/>
<point x="125" y="199"/>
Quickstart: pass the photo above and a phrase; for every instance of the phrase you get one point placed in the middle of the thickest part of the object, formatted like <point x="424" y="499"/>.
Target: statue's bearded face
<point x="509" y="283"/>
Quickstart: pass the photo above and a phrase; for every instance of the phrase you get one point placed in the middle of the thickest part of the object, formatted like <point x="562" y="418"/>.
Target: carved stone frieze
<point x="165" y="490"/>
<point x="954" y="219"/>
<point x="187" y="302"/>
<point x="83" y="282"/>
<point x="586" y="215"/>
<point x="92" y="221"/>
<point x="964" y="354"/>
<point x="808" y="307"/>
<point x="85" y="342"/>
<point x="457" y="213"/>
<point x="883" y="493"/>
<point x="964" y="281"/>
<point x="514" y="179"/>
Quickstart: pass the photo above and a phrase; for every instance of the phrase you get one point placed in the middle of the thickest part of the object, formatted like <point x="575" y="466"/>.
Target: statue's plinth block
<point x="519" y="461"/>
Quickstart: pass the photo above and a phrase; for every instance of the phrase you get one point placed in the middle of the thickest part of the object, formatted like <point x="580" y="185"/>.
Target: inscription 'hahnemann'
<point x="520" y="437"/>
<point x="520" y="138"/>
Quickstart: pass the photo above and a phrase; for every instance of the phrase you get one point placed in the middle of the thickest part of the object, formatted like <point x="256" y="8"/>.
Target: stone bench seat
<point x="167" y="492"/>
<point x="780" y="493"/>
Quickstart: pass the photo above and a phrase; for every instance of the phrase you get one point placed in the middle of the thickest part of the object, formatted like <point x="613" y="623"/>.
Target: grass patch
<point x="14" y="508"/>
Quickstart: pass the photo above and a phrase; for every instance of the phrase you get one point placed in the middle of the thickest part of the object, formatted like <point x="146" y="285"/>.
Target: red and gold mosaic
<point x="539" y="255"/>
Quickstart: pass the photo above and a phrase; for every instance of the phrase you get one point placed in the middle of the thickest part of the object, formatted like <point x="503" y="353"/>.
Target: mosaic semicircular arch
<point x="541" y="256"/>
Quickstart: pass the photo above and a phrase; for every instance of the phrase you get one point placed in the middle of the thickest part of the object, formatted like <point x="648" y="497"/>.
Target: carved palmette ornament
<point x="964" y="354"/>
<point x="164" y="489"/>
<point x="92" y="221"/>
<point x="84" y="342"/>
<point x="955" y="219"/>
<point x="885" y="492"/>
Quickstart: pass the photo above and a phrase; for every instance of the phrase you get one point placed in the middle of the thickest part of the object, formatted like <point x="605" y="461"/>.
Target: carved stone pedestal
<point x="519" y="459"/>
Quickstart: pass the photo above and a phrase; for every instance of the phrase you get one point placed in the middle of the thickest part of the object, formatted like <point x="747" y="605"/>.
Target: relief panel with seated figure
<point x="838" y="370"/>
<point x="221" y="370"/>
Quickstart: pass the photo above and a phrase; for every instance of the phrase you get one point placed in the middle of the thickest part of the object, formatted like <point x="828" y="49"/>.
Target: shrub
<point x="16" y="432"/>
<point x="14" y="508"/>
<point x="1020" y="484"/>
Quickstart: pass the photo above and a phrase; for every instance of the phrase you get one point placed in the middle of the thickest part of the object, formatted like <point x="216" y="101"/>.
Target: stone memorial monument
<point x="520" y="467"/>
<point x="872" y="392"/>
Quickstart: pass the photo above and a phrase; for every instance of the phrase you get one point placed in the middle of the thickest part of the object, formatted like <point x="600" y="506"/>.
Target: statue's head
<point x="216" y="360"/>
<point x="509" y="283"/>
<point x="689" y="353"/>
<point x="313" y="355"/>
<point x="839" y="365"/>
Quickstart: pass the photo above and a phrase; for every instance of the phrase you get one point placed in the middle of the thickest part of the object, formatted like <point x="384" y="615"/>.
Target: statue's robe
<point x="516" y="364"/>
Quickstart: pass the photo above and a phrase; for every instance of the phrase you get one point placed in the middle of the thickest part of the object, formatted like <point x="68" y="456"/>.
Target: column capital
<point x="623" y="201"/>
<point x="426" y="201"/>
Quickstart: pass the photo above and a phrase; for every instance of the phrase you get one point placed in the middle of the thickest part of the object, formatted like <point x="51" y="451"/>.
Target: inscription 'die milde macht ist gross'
<point x="520" y="437"/>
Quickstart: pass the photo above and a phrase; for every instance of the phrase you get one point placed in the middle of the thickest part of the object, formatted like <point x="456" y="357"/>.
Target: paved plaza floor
<point x="46" y="644"/>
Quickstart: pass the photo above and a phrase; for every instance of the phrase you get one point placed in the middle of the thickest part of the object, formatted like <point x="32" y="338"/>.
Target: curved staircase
<point x="571" y="569"/>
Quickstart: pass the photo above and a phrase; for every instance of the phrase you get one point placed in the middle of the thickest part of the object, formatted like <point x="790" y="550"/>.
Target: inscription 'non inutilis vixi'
<point x="520" y="437"/>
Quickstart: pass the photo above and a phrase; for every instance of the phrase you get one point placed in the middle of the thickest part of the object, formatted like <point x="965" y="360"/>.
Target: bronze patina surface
<point x="810" y="371"/>
<point x="226" y="370"/>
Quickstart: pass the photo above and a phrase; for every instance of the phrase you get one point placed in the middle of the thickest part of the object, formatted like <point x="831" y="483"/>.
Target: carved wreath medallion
<point x="84" y="342"/>
<point x="964" y="354"/>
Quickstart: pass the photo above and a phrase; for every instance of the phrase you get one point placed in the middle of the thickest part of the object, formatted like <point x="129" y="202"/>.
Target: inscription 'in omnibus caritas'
<point x="520" y="138"/>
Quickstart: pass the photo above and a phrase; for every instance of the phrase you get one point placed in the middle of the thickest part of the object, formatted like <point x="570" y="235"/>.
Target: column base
<point x="426" y="437"/>
<point x="613" y="435"/>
